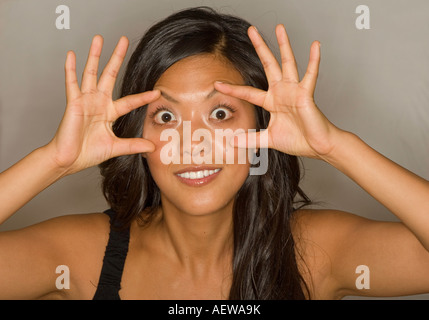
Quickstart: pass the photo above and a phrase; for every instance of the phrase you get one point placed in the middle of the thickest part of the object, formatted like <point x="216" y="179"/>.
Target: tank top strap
<point x="113" y="263"/>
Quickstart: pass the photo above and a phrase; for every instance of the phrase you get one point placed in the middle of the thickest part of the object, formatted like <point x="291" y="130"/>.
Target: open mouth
<point x="196" y="176"/>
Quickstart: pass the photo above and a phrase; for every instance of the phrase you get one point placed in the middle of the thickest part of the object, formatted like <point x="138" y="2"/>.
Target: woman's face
<point x="193" y="165"/>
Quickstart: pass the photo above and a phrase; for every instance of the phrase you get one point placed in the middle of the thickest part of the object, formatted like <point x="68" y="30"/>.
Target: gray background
<point x="374" y="83"/>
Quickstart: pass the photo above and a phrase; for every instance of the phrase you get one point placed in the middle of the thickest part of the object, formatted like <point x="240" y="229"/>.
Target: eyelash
<point x="225" y="106"/>
<point x="164" y="108"/>
<point x="155" y="112"/>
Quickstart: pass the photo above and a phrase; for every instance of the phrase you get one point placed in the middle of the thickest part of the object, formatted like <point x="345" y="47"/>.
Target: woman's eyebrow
<point x="173" y="100"/>
<point x="211" y="94"/>
<point x="168" y="97"/>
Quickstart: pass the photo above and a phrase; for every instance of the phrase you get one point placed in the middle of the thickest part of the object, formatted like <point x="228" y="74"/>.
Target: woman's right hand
<point x="85" y="137"/>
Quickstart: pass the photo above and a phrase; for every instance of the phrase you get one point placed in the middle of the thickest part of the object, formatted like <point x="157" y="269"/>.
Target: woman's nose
<point x="196" y="142"/>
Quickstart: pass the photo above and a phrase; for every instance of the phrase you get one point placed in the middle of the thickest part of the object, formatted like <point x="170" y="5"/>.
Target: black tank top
<point x="113" y="262"/>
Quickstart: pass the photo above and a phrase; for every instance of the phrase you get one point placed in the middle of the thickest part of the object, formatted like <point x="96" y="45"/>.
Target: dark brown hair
<point x="264" y="262"/>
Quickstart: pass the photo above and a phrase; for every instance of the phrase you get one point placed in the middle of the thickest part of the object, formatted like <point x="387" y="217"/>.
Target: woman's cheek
<point x="198" y="146"/>
<point x="157" y="156"/>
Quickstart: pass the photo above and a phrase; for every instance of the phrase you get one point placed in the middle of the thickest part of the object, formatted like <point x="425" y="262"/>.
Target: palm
<point x="85" y="137"/>
<point x="293" y="115"/>
<point x="296" y="126"/>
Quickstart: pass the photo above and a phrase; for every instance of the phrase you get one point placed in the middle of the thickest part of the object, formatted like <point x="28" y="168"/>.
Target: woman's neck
<point x="198" y="242"/>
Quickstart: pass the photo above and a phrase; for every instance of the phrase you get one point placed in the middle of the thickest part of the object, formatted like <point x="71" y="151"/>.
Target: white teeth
<point x="197" y="174"/>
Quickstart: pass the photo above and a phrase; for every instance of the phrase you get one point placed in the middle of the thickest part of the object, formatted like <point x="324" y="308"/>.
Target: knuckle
<point x="266" y="63"/>
<point x="69" y="68"/>
<point x="91" y="71"/>
<point x="71" y="82"/>
<point x="288" y="60"/>
<point x="125" y="105"/>
<point x="113" y="73"/>
<point x="90" y="91"/>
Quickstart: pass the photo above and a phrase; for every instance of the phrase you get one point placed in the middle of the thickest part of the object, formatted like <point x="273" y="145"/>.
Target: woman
<point x="211" y="230"/>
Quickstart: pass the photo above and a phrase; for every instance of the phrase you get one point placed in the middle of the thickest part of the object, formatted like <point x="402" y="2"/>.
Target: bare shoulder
<point x="320" y="234"/>
<point x="79" y="239"/>
<point x="77" y="225"/>
<point x="33" y="254"/>
<point x="324" y="225"/>
<point x="69" y="231"/>
<point x="331" y="245"/>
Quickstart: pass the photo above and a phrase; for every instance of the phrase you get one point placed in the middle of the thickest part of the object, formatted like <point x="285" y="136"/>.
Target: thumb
<point x="250" y="140"/>
<point x="129" y="146"/>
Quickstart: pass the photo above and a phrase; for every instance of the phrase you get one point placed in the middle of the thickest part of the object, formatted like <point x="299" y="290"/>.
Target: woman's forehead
<point x="194" y="77"/>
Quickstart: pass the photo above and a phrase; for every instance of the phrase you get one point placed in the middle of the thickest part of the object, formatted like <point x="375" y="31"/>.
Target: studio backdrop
<point x="373" y="81"/>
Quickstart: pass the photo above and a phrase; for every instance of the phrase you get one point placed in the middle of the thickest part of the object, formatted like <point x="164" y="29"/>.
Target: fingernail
<point x="220" y="83"/>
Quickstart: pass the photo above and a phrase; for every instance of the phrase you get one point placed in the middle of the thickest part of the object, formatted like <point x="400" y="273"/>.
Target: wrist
<point x="341" y="142"/>
<point x="27" y="178"/>
<point x="47" y="155"/>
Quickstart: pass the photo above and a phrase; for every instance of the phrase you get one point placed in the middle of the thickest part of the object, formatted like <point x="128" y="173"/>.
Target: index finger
<point x="247" y="93"/>
<point x="127" y="104"/>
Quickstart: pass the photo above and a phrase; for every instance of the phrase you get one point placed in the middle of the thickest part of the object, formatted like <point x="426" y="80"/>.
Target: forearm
<point x="25" y="179"/>
<point x="405" y="194"/>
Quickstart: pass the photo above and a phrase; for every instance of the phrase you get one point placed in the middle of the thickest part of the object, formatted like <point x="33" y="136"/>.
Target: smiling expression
<point x="188" y="94"/>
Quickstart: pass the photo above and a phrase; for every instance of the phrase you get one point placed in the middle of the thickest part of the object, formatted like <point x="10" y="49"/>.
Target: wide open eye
<point x="163" y="116"/>
<point x="222" y="113"/>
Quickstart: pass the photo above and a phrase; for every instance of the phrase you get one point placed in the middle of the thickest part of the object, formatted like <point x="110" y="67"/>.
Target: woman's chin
<point x="202" y="207"/>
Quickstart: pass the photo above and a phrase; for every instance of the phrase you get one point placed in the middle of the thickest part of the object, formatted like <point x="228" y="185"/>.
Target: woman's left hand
<point x="296" y="125"/>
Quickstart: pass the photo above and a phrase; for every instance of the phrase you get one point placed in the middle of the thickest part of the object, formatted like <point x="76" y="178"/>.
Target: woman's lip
<point x="196" y="168"/>
<point x="198" y="182"/>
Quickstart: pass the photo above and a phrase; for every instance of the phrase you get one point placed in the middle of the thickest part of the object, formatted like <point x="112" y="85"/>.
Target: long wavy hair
<point x="264" y="258"/>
